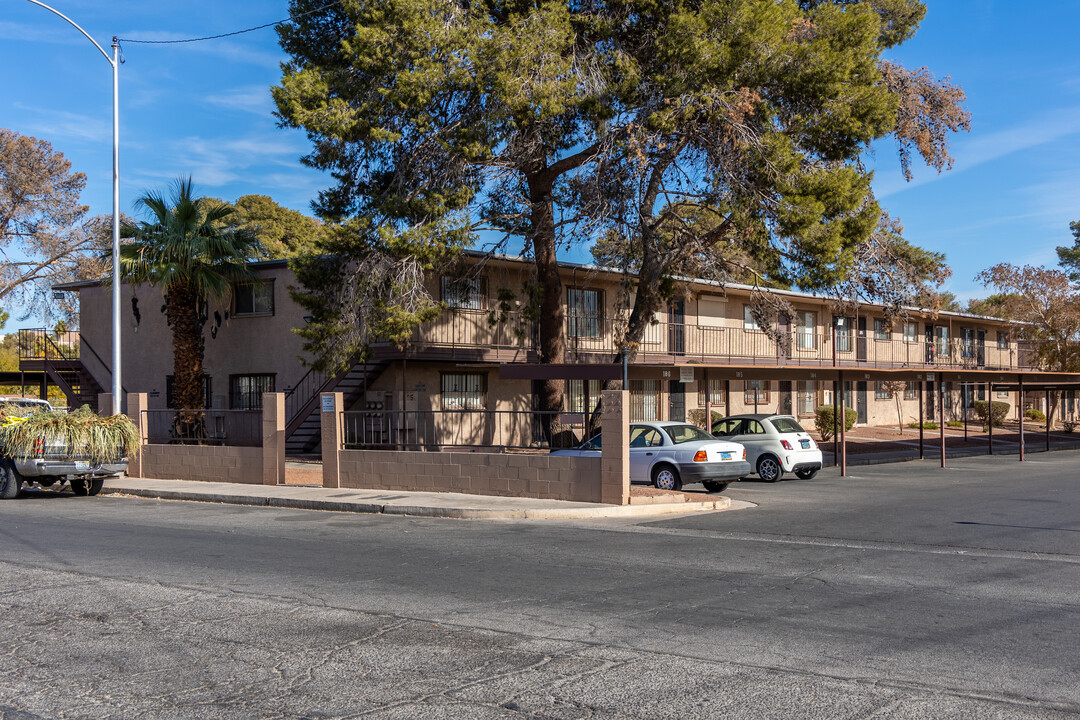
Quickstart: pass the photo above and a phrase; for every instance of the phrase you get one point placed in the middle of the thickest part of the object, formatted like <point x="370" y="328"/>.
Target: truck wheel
<point x="79" y="487"/>
<point x="9" y="479"/>
<point x="95" y="486"/>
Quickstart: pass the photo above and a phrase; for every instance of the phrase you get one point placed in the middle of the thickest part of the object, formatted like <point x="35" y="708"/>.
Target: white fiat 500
<point x="671" y="454"/>
<point x="775" y="444"/>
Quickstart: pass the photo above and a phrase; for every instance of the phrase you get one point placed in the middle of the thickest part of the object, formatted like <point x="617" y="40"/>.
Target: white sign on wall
<point x="328" y="403"/>
<point x="686" y="374"/>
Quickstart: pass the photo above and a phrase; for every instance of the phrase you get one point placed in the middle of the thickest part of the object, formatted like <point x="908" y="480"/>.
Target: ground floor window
<point x="756" y="391"/>
<point x="463" y="391"/>
<point x="911" y="390"/>
<point x="644" y="400"/>
<point x="715" y="390"/>
<point x="582" y="395"/>
<point x="246" y="391"/>
<point x="880" y="393"/>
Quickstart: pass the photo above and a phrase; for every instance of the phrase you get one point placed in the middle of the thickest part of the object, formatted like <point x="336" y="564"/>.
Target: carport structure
<point x="1014" y="380"/>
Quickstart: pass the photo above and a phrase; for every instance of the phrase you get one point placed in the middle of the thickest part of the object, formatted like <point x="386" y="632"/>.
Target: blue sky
<point x="204" y="109"/>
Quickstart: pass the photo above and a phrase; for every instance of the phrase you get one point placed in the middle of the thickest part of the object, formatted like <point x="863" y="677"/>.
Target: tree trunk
<point x="182" y="310"/>
<point x="552" y="345"/>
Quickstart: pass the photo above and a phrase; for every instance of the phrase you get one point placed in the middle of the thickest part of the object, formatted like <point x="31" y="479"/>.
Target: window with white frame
<point x="584" y="312"/>
<point x="807" y="397"/>
<point x="1002" y="340"/>
<point x="468" y="293"/>
<point x="749" y="323"/>
<point x="911" y="391"/>
<point x="463" y="391"/>
<point x="941" y="341"/>
<point x="881" y="330"/>
<point x="253" y="298"/>
<point x="911" y="332"/>
<point x="805" y="330"/>
<point x="880" y="393"/>
<point x="843" y="334"/>
<point x="644" y="400"/>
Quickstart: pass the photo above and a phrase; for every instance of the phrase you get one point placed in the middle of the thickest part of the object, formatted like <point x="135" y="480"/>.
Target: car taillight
<point x="701" y="456"/>
<point x="786" y="444"/>
<point x="744" y="453"/>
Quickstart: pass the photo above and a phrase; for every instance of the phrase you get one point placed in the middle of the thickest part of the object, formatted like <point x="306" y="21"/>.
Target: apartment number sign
<point x="328" y="403"/>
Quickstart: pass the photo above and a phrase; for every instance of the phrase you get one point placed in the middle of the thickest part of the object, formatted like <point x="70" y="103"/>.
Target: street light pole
<point x="114" y="61"/>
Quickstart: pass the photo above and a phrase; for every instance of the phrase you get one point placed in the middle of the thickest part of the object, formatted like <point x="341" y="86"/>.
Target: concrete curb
<point x="432" y="511"/>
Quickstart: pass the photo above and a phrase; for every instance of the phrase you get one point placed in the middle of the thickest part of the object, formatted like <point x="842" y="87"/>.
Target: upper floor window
<point x="467" y="293"/>
<point x="253" y="298"/>
<point x="881" y="330"/>
<point x="246" y="391"/>
<point x="941" y="341"/>
<point x="463" y="391"/>
<point x="584" y="312"/>
<point x="805" y="330"/>
<point x="1003" y="340"/>
<point x="911" y="332"/>
<point x="749" y="323"/>
<point x="843" y="334"/>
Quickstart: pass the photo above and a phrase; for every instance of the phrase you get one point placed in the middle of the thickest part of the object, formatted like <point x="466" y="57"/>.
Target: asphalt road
<point x="901" y="591"/>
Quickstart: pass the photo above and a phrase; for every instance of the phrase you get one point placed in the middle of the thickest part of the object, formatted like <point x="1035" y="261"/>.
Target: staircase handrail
<point x="84" y="344"/>
<point x="300" y="394"/>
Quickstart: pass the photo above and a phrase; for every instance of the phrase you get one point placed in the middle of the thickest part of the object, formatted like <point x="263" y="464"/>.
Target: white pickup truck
<point x="52" y="464"/>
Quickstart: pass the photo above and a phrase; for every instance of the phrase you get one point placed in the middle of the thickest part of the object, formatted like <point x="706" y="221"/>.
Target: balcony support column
<point x="990" y="418"/>
<point x="922" y="401"/>
<point x="941" y="414"/>
<point x="1020" y="412"/>
<point x="843" y="427"/>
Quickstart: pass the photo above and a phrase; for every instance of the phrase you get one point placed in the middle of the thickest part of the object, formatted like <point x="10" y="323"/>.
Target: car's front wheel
<point x="769" y="469"/>
<point x="714" y="486"/>
<point x="665" y="477"/>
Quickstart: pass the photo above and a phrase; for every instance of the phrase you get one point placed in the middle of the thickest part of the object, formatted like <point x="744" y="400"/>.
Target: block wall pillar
<point x="332" y="406"/>
<point x="273" y="438"/>
<point x="615" y="452"/>
<point x="136" y="403"/>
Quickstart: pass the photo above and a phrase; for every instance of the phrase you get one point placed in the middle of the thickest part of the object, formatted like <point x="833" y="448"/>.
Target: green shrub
<point x="823" y="420"/>
<point x="954" y="423"/>
<point x="927" y="425"/>
<point x="697" y="417"/>
<point x="1035" y="415"/>
<point x="999" y="409"/>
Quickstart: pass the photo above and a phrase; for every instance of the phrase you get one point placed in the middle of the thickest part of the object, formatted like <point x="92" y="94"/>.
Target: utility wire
<point x="229" y="34"/>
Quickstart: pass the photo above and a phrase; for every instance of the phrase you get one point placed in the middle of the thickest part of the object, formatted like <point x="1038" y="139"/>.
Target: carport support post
<point x="708" y="400"/>
<point x="963" y="402"/>
<point x="941" y="414"/>
<point x="273" y="438"/>
<point x="136" y="404"/>
<point x="1047" y="421"/>
<point x="615" y="453"/>
<point x="990" y="418"/>
<point x="330" y="418"/>
<point x="922" y="400"/>
<point x="835" y="421"/>
<point x="1020" y="412"/>
<point x="843" y="428"/>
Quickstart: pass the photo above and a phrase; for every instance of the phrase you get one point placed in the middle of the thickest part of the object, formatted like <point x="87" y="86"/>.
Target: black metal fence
<point x="204" y="427"/>
<point x="464" y="429"/>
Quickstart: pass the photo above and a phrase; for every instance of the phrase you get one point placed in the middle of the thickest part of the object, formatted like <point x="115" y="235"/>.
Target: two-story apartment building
<point x="703" y="350"/>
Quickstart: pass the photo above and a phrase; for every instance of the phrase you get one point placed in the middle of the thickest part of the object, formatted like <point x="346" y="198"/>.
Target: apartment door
<point x="677" y="401"/>
<point x="929" y="342"/>
<point x="784" y="407"/>
<point x="860" y="401"/>
<point x="860" y="341"/>
<point x="677" y="328"/>
<point x="931" y="406"/>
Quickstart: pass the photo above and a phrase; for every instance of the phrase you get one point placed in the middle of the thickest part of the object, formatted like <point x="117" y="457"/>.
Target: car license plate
<point x="805" y="444"/>
<point x="82" y="464"/>
<point x="725" y="456"/>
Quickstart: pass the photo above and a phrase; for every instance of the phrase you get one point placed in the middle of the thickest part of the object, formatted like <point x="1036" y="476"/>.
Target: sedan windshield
<point x="686" y="433"/>
<point x="786" y="425"/>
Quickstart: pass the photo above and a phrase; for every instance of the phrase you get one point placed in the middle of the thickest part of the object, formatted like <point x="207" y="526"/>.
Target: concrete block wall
<point x="205" y="463"/>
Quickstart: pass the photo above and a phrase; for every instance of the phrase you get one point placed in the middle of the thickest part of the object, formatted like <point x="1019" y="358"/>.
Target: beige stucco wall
<point x="502" y="474"/>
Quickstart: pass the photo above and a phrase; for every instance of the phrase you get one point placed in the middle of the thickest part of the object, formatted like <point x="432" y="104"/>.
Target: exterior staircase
<point x="303" y="424"/>
<point x="59" y="358"/>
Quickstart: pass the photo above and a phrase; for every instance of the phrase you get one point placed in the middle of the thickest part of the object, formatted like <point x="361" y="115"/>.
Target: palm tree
<point x="186" y="250"/>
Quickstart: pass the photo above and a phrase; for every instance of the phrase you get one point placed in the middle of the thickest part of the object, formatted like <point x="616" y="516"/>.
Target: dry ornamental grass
<point x="82" y="432"/>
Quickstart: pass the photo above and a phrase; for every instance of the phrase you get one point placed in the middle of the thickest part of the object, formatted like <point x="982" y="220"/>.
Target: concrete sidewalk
<point x="422" y="504"/>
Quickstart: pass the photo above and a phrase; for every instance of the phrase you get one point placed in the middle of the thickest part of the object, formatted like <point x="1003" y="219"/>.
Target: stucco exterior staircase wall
<point x="303" y="429"/>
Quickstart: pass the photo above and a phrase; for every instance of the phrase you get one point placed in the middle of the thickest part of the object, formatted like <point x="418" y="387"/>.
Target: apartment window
<point x="911" y="332"/>
<point x="760" y="387"/>
<point x="911" y="391"/>
<point x="253" y="298"/>
<point x="881" y="332"/>
<point x="1003" y="394"/>
<point x="716" y="392"/>
<point x="246" y="391"/>
<point x="941" y="341"/>
<point x="465" y="293"/>
<point x="805" y="330"/>
<point x="880" y="393"/>
<point x="584" y="312"/>
<point x="463" y="391"/>
<point x="582" y="395"/>
<point x="749" y="323"/>
<point x="843" y="334"/>
<point x="1002" y="340"/>
<point x="170" y="399"/>
<point x="807" y="397"/>
<point x="644" y="400"/>
<point x="967" y="336"/>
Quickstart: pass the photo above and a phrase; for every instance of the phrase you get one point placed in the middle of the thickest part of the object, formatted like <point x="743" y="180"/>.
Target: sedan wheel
<point x="666" y="477"/>
<point x="769" y="469"/>
<point x="714" y="486"/>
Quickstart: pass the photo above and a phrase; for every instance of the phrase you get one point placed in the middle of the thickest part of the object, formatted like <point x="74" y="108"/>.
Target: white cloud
<point x="52" y="124"/>
<point x="251" y="98"/>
